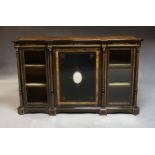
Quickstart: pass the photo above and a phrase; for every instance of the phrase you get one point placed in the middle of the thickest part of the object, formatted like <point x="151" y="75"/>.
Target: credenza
<point x="73" y="74"/>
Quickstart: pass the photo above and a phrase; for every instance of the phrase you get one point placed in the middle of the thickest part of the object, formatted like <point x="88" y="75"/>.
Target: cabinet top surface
<point x="78" y="38"/>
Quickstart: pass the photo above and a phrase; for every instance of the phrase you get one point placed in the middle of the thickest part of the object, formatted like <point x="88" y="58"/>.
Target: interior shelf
<point x="35" y="66"/>
<point x="36" y="84"/>
<point x="115" y="103"/>
<point x="119" y="84"/>
<point x="120" y="65"/>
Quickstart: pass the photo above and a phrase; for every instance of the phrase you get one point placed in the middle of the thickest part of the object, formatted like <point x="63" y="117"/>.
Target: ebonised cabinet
<point x="78" y="74"/>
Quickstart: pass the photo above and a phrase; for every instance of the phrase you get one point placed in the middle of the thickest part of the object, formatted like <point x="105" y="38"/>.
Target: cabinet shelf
<point x="119" y="103"/>
<point x="36" y="84"/>
<point x="119" y="84"/>
<point x="119" y="65"/>
<point x="34" y="65"/>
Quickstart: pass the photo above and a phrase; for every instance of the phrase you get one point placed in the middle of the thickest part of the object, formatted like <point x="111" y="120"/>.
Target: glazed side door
<point x="120" y="76"/>
<point x="35" y="77"/>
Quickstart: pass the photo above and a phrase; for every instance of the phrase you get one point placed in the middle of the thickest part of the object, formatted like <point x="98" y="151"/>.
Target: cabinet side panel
<point x="133" y="74"/>
<point x="136" y="76"/>
<point x="19" y="77"/>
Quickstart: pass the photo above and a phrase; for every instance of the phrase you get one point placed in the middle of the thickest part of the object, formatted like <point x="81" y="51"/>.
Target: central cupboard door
<point x="77" y="76"/>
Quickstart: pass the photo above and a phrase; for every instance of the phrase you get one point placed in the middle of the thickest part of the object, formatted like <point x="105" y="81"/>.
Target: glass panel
<point x="77" y="62"/>
<point x="34" y="57"/>
<point x="35" y="75"/>
<point x="119" y="75"/>
<point x="120" y="57"/>
<point x="119" y="94"/>
<point x="36" y="94"/>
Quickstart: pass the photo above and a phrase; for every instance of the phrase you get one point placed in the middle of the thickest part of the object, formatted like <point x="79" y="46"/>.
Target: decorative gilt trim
<point x="30" y="46"/>
<point x="103" y="48"/>
<point x="57" y="75"/>
<point x="123" y="45"/>
<point x="78" y="45"/>
<point x="50" y="48"/>
<point x="97" y="76"/>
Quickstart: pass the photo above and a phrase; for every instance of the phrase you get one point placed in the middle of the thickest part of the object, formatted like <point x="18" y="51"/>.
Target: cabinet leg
<point x="21" y="110"/>
<point x="52" y="112"/>
<point x="135" y="111"/>
<point x="103" y="112"/>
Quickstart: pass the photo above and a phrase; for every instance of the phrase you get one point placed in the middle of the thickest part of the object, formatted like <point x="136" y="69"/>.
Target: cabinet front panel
<point x="77" y="72"/>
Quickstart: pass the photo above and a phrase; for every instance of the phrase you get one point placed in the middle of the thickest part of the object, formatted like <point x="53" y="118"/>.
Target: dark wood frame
<point x="50" y="46"/>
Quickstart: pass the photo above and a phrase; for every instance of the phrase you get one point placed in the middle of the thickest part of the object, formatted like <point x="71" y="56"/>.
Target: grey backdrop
<point x="8" y="34"/>
<point x="146" y="94"/>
